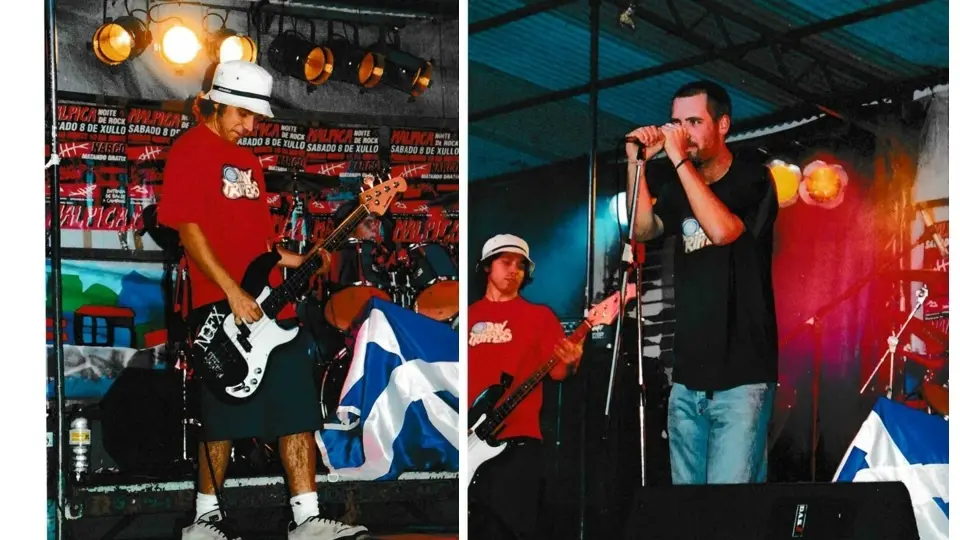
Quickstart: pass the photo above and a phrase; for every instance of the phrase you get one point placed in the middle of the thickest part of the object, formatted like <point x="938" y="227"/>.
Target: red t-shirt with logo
<point x="516" y="337"/>
<point x="219" y="186"/>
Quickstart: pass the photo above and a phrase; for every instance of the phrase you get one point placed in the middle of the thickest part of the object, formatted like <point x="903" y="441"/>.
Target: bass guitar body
<point x="233" y="358"/>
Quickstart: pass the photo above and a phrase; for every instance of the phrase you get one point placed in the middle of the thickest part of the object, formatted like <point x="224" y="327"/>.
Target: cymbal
<point x="930" y="277"/>
<point x="446" y="200"/>
<point x="298" y="182"/>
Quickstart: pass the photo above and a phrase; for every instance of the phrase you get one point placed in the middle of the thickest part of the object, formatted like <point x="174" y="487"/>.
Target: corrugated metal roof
<point x="478" y="10"/>
<point x="487" y="158"/>
<point x="543" y="49"/>
<point x="549" y="51"/>
<point x="648" y="101"/>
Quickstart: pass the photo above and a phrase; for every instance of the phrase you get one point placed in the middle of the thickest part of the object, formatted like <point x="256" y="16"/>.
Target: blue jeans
<point x="722" y="440"/>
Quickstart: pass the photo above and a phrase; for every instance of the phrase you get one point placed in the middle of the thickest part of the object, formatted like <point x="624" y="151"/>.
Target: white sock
<point x="304" y="506"/>
<point x="206" y="503"/>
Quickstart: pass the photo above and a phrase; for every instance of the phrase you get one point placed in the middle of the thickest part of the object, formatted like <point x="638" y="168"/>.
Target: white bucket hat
<point x="242" y="84"/>
<point x="507" y="243"/>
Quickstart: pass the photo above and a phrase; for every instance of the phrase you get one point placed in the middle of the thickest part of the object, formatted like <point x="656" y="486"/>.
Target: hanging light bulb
<point x="406" y="72"/>
<point x="179" y="45"/>
<point x="786" y="177"/>
<point x="227" y="45"/>
<point x="356" y="65"/>
<point x="118" y="41"/>
<point x="296" y="57"/>
<point x="823" y="184"/>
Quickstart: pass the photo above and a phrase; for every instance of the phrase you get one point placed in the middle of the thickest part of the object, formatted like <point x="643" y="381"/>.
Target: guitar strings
<point x="273" y="300"/>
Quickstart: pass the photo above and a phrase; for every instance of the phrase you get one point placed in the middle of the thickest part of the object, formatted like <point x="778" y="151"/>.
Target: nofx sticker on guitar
<point x="490" y="332"/>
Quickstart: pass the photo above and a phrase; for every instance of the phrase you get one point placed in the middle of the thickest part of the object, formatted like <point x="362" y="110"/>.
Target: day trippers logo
<point x="490" y="332"/>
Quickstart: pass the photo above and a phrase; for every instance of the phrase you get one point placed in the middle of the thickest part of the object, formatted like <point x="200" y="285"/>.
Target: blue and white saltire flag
<point x="399" y="407"/>
<point x="897" y="443"/>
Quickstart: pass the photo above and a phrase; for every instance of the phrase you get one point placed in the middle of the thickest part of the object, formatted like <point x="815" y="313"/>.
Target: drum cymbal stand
<point x="893" y="341"/>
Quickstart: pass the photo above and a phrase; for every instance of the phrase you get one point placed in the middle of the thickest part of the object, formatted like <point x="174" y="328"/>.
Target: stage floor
<point x="417" y="506"/>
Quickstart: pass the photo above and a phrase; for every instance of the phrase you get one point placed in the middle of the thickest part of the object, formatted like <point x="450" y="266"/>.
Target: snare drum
<point x="433" y="277"/>
<point x="357" y="277"/>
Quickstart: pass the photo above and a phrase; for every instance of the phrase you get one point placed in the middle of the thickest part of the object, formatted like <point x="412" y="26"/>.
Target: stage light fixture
<point x="227" y="45"/>
<point x="407" y="72"/>
<point x="618" y="208"/>
<point x="823" y="184"/>
<point x="120" y="40"/>
<point x="296" y="57"/>
<point x="786" y="177"/>
<point x="179" y="45"/>
<point x="356" y="65"/>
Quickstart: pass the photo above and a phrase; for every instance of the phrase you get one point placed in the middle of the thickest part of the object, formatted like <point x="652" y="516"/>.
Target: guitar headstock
<point x="606" y="311"/>
<point x="377" y="198"/>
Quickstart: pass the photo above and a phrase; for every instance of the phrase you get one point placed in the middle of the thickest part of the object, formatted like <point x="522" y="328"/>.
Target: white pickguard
<point x="479" y="452"/>
<point x="265" y="335"/>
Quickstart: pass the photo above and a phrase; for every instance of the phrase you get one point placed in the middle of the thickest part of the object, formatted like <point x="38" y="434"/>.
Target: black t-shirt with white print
<point x="726" y="329"/>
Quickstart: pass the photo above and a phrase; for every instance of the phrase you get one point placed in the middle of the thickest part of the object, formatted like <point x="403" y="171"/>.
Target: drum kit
<point x="924" y="375"/>
<point x="421" y="277"/>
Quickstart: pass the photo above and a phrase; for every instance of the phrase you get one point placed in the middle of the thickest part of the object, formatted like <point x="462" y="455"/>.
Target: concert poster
<point x="421" y="221"/>
<point x="347" y="153"/>
<point x="93" y="168"/>
<point x="937" y="305"/>
<point x="412" y="221"/>
<point x="279" y="146"/>
<point x="150" y="134"/>
<point x="428" y="159"/>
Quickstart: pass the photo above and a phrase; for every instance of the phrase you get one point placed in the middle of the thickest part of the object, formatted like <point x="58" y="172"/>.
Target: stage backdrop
<point x="112" y="157"/>
<point x="113" y="319"/>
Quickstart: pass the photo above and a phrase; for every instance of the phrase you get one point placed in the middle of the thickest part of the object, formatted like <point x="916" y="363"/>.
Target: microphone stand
<point x="628" y="258"/>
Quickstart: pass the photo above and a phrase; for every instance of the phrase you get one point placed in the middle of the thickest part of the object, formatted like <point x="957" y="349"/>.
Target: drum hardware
<point x="331" y="383"/>
<point x="937" y="396"/>
<point x="433" y="277"/>
<point x="892" y="343"/>
<point x="357" y="277"/>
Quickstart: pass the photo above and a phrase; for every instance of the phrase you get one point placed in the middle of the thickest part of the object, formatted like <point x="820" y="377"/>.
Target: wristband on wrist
<point x="682" y="161"/>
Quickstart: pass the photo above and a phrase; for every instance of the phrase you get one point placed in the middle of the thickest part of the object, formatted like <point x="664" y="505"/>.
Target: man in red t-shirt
<point x="510" y="335"/>
<point x="214" y="195"/>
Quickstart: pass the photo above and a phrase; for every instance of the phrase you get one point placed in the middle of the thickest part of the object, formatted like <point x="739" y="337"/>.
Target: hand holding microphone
<point x="649" y="137"/>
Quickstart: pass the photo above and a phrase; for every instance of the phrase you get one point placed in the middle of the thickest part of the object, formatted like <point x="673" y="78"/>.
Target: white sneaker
<point x="210" y="526"/>
<point x="317" y="528"/>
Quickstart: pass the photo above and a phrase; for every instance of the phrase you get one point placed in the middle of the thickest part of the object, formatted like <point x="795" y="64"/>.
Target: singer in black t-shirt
<point x="720" y="210"/>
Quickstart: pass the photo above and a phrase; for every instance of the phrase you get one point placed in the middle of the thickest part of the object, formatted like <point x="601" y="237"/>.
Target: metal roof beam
<point x="716" y="54"/>
<point x="783" y="82"/>
<point x="515" y="15"/>
<point x="718" y="8"/>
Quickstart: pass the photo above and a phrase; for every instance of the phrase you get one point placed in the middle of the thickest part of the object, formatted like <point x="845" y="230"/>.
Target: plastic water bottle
<point x="80" y="446"/>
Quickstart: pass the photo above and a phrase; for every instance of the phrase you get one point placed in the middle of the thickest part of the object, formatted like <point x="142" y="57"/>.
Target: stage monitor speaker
<point x="810" y="511"/>
<point x="141" y="416"/>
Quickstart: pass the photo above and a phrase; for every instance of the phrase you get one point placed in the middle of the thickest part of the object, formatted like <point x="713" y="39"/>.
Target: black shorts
<point x="504" y="497"/>
<point x="286" y="402"/>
